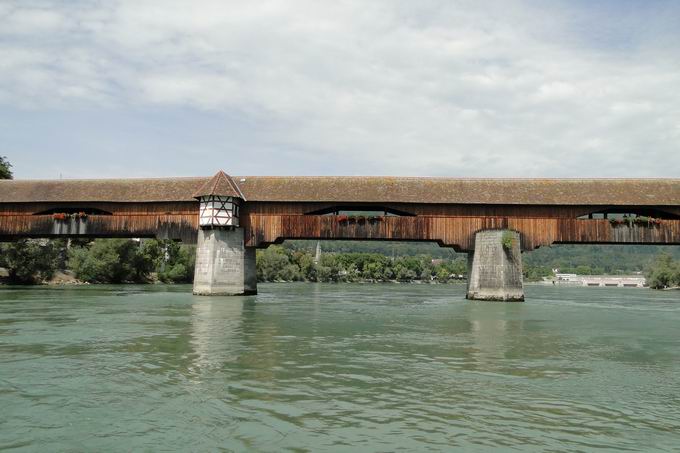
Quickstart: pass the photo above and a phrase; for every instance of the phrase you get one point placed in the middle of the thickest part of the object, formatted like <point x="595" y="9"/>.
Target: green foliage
<point x="536" y="273"/>
<point x="5" y="166"/>
<point x="275" y="264"/>
<point x="601" y="259"/>
<point x="663" y="273"/>
<point x="508" y="240"/>
<point x="123" y="260"/>
<point x="147" y="259"/>
<point x="442" y="275"/>
<point x="100" y="261"/>
<point x="106" y="261"/>
<point x="597" y="259"/>
<point x="278" y="263"/>
<point x="390" y="249"/>
<point x="29" y="260"/>
<point x="177" y="263"/>
<point x="119" y="260"/>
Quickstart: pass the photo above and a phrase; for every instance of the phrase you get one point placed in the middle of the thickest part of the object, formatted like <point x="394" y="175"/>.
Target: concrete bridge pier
<point x="495" y="267"/>
<point x="224" y="267"/>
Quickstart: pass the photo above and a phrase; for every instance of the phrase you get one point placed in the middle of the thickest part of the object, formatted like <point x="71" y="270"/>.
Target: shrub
<point x="508" y="240"/>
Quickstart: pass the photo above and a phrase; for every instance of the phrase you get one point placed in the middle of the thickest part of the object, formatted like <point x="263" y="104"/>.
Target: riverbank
<point x="64" y="279"/>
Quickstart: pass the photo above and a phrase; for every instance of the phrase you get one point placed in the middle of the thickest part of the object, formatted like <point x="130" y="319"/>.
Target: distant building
<point x="620" y="281"/>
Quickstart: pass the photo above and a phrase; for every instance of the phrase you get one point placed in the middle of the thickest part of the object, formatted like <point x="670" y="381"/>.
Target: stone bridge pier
<point x="224" y="267"/>
<point x="495" y="267"/>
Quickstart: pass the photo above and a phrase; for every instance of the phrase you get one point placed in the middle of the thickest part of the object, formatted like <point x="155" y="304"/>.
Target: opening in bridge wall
<point x="618" y="213"/>
<point x="87" y="211"/>
<point x="358" y="211"/>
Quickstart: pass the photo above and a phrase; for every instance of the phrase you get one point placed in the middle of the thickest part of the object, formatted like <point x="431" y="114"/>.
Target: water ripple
<point x="338" y="368"/>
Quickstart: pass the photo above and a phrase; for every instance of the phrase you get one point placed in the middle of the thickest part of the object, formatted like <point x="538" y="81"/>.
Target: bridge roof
<point x="357" y="189"/>
<point x="220" y="184"/>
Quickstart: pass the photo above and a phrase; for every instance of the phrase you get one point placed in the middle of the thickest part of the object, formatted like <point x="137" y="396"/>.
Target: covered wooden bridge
<point x="230" y="217"/>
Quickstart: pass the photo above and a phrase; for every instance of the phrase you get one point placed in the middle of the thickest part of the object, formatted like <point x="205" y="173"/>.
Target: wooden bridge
<point x="265" y="210"/>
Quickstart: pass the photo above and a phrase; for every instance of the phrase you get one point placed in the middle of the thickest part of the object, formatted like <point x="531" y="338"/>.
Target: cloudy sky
<point x="433" y="88"/>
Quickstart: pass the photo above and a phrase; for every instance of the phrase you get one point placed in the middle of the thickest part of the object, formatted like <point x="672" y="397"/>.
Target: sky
<point x="458" y="88"/>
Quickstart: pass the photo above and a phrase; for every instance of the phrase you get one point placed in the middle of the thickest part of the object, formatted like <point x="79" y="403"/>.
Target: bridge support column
<point x="224" y="266"/>
<point x="495" y="267"/>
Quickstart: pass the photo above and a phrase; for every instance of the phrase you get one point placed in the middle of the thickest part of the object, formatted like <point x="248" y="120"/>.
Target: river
<point x="323" y="367"/>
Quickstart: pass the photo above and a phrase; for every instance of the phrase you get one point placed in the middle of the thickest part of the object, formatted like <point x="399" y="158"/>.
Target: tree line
<point x="663" y="273"/>
<point x="279" y="263"/>
<point x="127" y="261"/>
<point x="579" y="259"/>
<point x="597" y="259"/>
<point x="124" y="260"/>
<point x="31" y="261"/>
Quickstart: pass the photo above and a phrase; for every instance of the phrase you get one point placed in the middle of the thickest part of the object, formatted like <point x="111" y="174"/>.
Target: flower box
<point x="639" y="221"/>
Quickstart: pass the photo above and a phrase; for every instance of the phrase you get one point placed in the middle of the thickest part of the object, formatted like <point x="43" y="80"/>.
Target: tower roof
<point x="221" y="184"/>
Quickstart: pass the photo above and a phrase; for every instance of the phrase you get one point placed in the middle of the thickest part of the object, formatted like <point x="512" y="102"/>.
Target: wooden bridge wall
<point x="266" y="223"/>
<point x="178" y="220"/>
<point x="456" y="232"/>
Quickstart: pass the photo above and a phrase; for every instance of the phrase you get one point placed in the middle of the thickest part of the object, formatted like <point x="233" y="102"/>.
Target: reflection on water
<point x="214" y="323"/>
<point x="338" y="368"/>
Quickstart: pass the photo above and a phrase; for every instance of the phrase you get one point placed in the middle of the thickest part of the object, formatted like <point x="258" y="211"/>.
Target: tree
<point x="29" y="260"/>
<point x="148" y="258"/>
<point x="179" y="263"/>
<point x="271" y="262"/>
<point x="5" y="172"/>
<point x="328" y="269"/>
<point x="663" y="273"/>
<point x="113" y="261"/>
<point x="305" y="262"/>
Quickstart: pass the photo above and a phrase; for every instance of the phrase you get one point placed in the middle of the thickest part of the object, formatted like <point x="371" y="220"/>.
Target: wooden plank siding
<point x="270" y="222"/>
<point x="173" y="220"/>
<point x="456" y="232"/>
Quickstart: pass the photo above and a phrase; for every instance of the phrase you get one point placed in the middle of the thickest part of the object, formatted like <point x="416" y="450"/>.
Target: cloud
<point x="456" y="88"/>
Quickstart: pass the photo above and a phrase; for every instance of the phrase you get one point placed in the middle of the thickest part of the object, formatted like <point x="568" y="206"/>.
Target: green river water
<point x="315" y="367"/>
